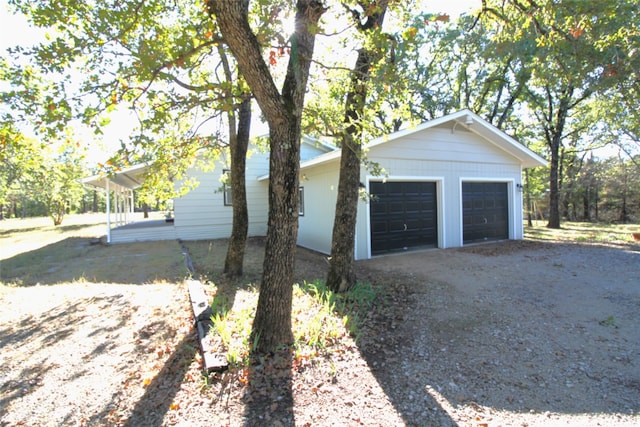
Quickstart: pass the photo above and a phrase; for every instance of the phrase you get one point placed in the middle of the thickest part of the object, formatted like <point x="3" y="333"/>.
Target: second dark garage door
<point x="403" y="215"/>
<point x="485" y="211"/>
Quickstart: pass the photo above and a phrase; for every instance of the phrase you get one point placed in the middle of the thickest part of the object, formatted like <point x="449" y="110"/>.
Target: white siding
<point x="143" y="234"/>
<point x="448" y="158"/>
<point x="320" y="191"/>
<point x="437" y="155"/>
<point x="310" y="149"/>
<point x="437" y="144"/>
<point x="201" y="213"/>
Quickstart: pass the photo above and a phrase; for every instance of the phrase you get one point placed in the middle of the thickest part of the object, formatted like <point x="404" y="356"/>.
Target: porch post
<point x="108" y="213"/>
<point x="116" y="192"/>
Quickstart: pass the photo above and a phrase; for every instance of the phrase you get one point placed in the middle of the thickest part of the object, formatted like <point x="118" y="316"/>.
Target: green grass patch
<point x="320" y="318"/>
<point x="583" y="232"/>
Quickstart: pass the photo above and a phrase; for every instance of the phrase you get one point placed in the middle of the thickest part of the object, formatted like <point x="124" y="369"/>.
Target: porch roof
<point x="128" y="178"/>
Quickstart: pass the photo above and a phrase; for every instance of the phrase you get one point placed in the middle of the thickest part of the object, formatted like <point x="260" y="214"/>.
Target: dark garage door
<point x="403" y="215"/>
<point x="485" y="211"/>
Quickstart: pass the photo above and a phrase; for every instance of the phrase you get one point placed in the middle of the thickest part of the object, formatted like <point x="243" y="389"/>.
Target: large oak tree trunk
<point x="283" y="111"/>
<point x="272" y="324"/>
<point x="238" y="145"/>
<point x="341" y="276"/>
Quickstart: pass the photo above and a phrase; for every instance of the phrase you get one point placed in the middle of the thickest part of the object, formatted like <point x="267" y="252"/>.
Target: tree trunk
<point x="623" y="217"/>
<point x="238" y="144"/>
<point x="342" y="276"/>
<point x="272" y="324"/>
<point x="586" y="204"/>
<point x="283" y="112"/>
<point x="554" y="140"/>
<point x="597" y="218"/>
<point x="527" y="196"/>
<point x="554" y="193"/>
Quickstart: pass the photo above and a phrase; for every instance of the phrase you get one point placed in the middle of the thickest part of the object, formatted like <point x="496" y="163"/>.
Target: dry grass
<point x="134" y="359"/>
<point x="583" y="232"/>
<point x="35" y="252"/>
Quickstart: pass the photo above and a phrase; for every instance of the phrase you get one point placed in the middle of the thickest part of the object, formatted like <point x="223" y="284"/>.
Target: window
<point x="226" y="187"/>
<point x="301" y="201"/>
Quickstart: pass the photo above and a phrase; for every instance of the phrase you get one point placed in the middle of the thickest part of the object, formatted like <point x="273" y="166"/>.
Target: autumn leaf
<point x="243" y="376"/>
<point x="577" y="32"/>
<point x="410" y="32"/>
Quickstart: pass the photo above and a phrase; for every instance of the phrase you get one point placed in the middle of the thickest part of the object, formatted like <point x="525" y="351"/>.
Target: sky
<point x="16" y="30"/>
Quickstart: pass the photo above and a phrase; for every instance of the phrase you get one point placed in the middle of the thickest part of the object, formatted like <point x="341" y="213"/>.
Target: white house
<point x="206" y="212"/>
<point x="448" y="182"/>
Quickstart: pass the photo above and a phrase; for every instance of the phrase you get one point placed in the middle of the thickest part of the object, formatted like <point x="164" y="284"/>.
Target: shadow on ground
<point x="151" y="409"/>
<point x="443" y="361"/>
<point x="534" y="340"/>
<point x="61" y="229"/>
<point x="77" y="259"/>
<point x="269" y="397"/>
<point x="32" y="335"/>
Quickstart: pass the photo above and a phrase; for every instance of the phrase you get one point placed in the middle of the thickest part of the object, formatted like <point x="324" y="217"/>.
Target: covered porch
<point x="123" y="225"/>
<point x="144" y="230"/>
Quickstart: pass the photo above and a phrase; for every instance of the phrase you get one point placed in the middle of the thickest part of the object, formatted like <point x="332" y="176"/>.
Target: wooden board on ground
<point x="212" y="360"/>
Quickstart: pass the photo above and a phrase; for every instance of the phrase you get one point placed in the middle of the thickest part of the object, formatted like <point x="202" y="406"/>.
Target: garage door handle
<point x="405" y="227"/>
<point x="484" y="219"/>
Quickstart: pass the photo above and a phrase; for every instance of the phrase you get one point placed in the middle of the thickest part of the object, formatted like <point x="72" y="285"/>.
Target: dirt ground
<point x="504" y="334"/>
<point x="517" y="333"/>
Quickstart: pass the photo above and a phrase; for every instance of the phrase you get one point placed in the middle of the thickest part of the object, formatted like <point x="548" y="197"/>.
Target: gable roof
<point x="320" y="144"/>
<point x="464" y="118"/>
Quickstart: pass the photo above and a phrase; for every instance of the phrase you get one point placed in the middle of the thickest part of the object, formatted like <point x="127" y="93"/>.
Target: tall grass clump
<point x="322" y="316"/>
<point x="232" y="322"/>
<point x="320" y="319"/>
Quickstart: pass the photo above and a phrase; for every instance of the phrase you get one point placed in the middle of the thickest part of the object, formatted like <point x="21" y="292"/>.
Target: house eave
<point x="464" y="118"/>
<point x="126" y="178"/>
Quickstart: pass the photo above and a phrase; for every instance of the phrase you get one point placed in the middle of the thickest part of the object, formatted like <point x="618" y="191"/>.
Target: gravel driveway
<point x="515" y="333"/>
<point x="505" y="334"/>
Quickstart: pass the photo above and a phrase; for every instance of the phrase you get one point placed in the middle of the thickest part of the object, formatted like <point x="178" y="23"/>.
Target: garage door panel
<point x="408" y="210"/>
<point x="485" y="211"/>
